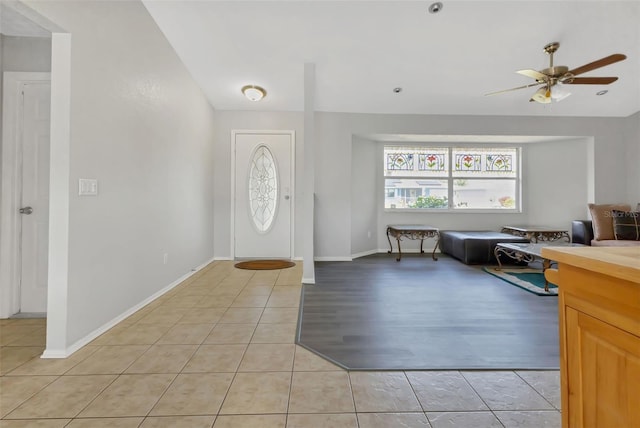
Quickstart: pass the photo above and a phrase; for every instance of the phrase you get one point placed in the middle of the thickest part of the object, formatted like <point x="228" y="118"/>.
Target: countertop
<point x="618" y="262"/>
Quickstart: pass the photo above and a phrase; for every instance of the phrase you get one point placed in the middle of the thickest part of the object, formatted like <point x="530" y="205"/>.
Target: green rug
<point x="531" y="280"/>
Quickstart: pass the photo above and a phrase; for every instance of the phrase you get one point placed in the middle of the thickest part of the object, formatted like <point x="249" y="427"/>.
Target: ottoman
<point x="474" y="247"/>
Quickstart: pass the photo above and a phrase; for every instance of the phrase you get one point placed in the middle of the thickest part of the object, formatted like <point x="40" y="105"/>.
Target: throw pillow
<point x="626" y="225"/>
<point x="602" y="217"/>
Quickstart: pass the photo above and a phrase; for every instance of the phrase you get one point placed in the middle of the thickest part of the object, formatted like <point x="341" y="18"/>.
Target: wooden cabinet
<point x="599" y="314"/>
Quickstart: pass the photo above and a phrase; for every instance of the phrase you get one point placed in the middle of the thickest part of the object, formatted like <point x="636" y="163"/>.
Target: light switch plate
<point x="87" y="187"/>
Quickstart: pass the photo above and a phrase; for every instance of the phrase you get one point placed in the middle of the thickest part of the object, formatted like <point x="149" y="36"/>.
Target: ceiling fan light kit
<point x="546" y="95"/>
<point x="555" y="77"/>
<point x="559" y="93"/>
<point x="542" y="96"/>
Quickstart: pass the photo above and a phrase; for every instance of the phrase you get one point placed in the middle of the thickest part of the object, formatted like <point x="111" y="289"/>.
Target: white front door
<point x="34" y="208"/>
<point x="263" y="195"/>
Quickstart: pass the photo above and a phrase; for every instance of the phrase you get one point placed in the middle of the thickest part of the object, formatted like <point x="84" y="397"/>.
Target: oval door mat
<point x="265" y="264"/>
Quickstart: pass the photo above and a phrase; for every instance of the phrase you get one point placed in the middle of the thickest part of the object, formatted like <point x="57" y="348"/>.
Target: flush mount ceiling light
<point x="253" y="92"/>
<point x="435" y="7"/>
<point x="604" y="91"/>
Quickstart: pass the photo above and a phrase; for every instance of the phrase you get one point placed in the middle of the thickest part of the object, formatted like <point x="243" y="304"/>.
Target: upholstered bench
<point x="474" y="247"/>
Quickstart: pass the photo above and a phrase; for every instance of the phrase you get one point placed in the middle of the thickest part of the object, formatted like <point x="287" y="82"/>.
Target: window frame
<point x="450" y="177"/>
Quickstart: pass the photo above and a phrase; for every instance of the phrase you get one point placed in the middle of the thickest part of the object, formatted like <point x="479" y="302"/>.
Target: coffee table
<point x="537" y="233"/>
<point x="528" y="253"/>
<point x="412" y="231"/>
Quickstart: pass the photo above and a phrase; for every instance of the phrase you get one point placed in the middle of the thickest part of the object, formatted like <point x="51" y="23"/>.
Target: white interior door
<point x="263" y="195"/>
<point x="34" y="210"/>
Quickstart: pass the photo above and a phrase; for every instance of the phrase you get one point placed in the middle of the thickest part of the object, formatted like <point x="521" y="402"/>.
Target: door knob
<point x="26" y="210"/>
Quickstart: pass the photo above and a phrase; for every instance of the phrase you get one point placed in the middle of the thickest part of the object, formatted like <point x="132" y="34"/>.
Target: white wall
<point x="550" y="199"/>
<point x="338" y="231"/>
<point x="141" y="126"/>
<point x="226" y="121"/>
<point x="1" y="88"/>
<point x="365" y="195"/>
<point x="334" y="133"/>
<point x="31" y="54"/>
<point x="633" y="160"/>
<point x="555" y="184"/>
<point x="26" y="54"/>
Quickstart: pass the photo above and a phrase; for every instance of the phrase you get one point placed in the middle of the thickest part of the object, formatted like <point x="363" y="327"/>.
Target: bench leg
<point x="546" y="264"/>
<point x="496" y="252"/>
<point x="433" y="254"/>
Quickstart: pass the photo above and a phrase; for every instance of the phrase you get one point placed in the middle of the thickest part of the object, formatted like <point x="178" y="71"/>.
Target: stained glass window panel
<point x="400" y="161"/>
<point x="263" y="188"/>
<point x="468" y="162"/>
<point x="431" y="162"/>
<point x="415" y="161"/>
<point x="499" y="162"/>
<point x="487" y="162"/>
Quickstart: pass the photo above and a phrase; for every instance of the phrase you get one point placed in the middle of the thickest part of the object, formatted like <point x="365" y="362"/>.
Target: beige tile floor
<point x="218" y="351"/>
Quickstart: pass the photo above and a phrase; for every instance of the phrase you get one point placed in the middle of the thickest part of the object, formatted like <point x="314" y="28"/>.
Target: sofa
<point x="610" y="225"/>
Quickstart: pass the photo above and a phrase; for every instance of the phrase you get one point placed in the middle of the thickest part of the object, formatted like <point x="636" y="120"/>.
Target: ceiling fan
<point x="550" y="77"/>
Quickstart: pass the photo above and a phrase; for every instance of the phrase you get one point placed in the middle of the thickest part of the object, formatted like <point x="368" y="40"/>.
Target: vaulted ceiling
<point x="362" y="50"/>
<point x="443" y="62"/>
<point x="13" y="23"/>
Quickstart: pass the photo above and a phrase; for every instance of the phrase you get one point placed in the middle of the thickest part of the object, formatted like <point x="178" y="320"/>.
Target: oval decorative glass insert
<point x="263" y="188"/>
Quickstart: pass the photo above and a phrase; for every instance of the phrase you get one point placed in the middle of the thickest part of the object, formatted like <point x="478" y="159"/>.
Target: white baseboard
<point x="308" y="280"/>
<point x="58" y="353"/>
<point x="370" y="252"/>
<point x="386" y="250"/>
<point x="364" y="253"/>
<point x="229" y="259"/>
<point x="54" y="354"/>
<point x="332" y="259"/>
<point x="410" y="251"/>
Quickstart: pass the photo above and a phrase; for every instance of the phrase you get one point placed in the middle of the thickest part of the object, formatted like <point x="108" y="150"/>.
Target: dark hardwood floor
<point x="418" y="314"/>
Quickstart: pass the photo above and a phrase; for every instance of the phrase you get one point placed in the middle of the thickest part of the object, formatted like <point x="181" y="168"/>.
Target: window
<point x="263" y="188"/>
<point x="452" y="178"/>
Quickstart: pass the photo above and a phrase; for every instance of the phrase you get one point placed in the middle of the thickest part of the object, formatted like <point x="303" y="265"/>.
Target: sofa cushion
<point x="602" y="217"/>
<point x="626" y="225"/>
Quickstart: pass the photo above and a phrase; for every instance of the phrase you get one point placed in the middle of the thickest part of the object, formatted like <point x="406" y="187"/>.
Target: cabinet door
<point x="603" y="373"/>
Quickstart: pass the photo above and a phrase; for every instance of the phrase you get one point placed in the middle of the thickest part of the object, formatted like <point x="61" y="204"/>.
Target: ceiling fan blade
<point x="597" y="64"/>
<point x="591" y="80"/>
<point x="534" y="75"/>
<point x="514" y="89"/>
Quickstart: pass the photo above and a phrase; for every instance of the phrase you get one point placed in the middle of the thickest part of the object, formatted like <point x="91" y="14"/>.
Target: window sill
<point x="450" y="211"/>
